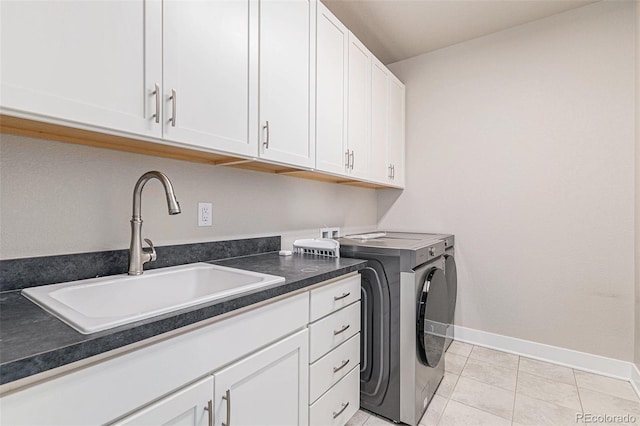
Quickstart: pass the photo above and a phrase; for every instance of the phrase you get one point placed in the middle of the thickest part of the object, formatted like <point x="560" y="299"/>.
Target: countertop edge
<point x="110" y="340"/>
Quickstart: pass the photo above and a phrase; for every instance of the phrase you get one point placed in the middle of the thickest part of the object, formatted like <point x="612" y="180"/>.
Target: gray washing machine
<point x="405" y="316"/>
<point x="451" y="275"/>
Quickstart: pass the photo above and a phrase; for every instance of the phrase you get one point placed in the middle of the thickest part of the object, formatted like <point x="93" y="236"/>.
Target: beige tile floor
<point x="487" y="387"/>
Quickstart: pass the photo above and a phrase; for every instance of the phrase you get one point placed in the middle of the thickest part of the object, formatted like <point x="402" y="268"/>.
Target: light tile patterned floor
<point x="483" y="386"/>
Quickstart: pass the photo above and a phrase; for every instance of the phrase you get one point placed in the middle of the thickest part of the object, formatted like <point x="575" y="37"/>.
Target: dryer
<point x="451" y="275"/>
<point x="405" y="314"/>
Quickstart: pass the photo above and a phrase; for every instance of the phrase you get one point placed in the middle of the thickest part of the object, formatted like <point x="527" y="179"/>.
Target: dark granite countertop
<point x="33" y="341"/>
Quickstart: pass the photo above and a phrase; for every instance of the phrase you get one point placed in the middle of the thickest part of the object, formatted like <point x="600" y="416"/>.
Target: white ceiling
<point x="399" y="29"/>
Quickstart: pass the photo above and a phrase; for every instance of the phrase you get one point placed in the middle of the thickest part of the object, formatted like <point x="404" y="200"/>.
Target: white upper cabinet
<point x="278" y="81"/>
<point x="332" y="47"/>
<point x="380" y="169"/>
<point x="387" y="126"/>
<point x="93" y="63"/>
<point x="359" y="111"/>
<point x="287" y="68"/>
<point x="396" y="132"/>
<point x="210" y="65"/>
<point x="359" y="108"/>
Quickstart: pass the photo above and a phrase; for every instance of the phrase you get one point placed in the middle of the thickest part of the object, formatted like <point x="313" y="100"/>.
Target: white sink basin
<point x="101" y="303"/>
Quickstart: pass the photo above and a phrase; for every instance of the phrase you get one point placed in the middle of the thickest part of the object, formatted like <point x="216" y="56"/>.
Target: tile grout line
<point x="515" y="392"/>
<point x="480" y="381"/>
<point x="608" y="394"/>
<point x="471" y="406"/>
<point x="440" y="416"/>
<point x="454" y="386"/>
<point x="578" y="390"/>
<point x="479" y="409"/>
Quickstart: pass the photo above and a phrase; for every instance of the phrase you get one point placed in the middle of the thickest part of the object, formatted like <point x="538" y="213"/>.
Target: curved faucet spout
<point x="137" y="255"/>
<point x="172" y="202"/>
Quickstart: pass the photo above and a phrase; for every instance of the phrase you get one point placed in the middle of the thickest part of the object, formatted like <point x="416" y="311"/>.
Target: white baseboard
<point x="567" y="357"/>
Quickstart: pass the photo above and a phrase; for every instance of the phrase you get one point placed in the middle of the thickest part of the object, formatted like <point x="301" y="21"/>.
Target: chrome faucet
<point x="137" y="255"/>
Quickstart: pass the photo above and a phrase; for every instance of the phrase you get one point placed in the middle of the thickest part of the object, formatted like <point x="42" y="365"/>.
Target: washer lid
<point x="432" y="318"/>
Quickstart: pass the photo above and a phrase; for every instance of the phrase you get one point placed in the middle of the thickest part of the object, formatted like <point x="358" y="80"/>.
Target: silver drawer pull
<point x="342" y="330"/>
<point x="344" y="407"/>
<point x="227" y="397"/>
<point x="336" y="298"/>
<point x="344" y="364"/>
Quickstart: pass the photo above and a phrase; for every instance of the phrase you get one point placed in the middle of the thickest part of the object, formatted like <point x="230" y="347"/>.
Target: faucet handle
<point x="152" y="254"/>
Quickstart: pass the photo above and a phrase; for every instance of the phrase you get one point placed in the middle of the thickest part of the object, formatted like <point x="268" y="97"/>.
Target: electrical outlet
<point x="330" y="232"/>
<point x="204" y="214"/>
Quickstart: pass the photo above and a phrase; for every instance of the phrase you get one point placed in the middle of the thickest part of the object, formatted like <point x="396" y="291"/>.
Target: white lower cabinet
<point x="334" y="353"/>
<point x="250" y="369"/>
<point x="242" y="393"/>
<point x="337" y="406"/>
<point x="328" y="370"/>
<point x="188" y="406"/>
<point x="264" y="388"/>
<point x="331" y="331"/>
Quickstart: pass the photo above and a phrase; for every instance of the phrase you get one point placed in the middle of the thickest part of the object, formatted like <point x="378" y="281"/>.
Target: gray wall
<point x="637" y="156"/>
<point x="60" y="198"/>
<point x="522" y="144"/>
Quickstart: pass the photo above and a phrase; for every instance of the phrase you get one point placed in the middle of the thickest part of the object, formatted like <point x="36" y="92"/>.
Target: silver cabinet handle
<point x="156" y="92"/>
<point x="266" y="134"/>
<point x="173" y="100"/>
<point x="389" y="172"/>
<point x="347" y="159"/>
<point x="209" y="409"/>
<point x="393" y="171"/>
<point x="227" y="397"/>
<point x="344" y="364"/>
<point x="342" y="330"/>
<point x="351" y="157"/>
<point x="344" y="407"/>
<point x="336" y="298"/>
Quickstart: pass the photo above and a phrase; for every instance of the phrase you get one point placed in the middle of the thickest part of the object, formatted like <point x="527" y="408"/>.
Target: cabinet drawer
<point x="329" y="332"/>
<point x="329" y="369"/>
<point x="330" y="298"/>
<point x="338" y="405"/>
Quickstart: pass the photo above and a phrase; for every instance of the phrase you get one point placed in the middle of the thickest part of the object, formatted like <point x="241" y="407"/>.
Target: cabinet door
<point x="270" y="387"/>
<point x="396" y="130"/>
<point x="380" y="168"/>
<point x="210" y="61"/>
<point x="287" y="34"/>
<point x="359" y="124"/>
<point x="187" y="407"/>
<point x="332" y="46"/>
<point x="82" y="62"/>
